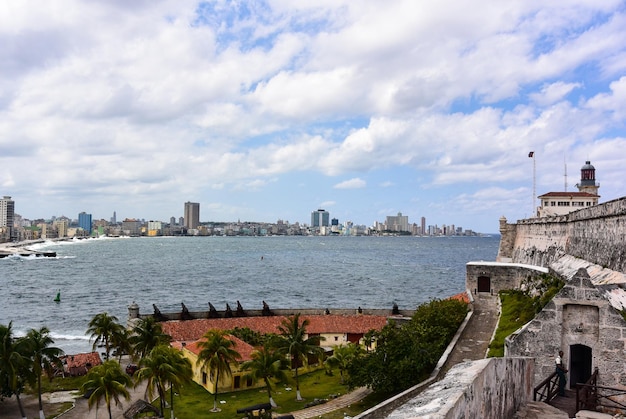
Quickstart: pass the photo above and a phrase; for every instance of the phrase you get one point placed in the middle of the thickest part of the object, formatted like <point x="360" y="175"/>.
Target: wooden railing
<point x="590" y="396"/>
<point x="587" y="393"/>
<point x="547" y="389"/>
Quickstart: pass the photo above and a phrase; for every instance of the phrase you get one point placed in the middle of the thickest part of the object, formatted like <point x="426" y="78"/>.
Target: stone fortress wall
<point x="596" y="234"/>
<point x="587" y="248"/>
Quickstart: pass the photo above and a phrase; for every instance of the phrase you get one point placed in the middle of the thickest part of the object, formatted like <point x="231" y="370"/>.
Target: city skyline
<point x="319" y="218"/>
<point x="268" y="110"/>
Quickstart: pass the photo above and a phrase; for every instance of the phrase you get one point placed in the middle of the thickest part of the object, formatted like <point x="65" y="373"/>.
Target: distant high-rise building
<point x="320" y="218"/>
<point x="114" y="218"/>
<point x="7" y="215"/>
<point x="398" y="223"/>
<point x="424" y="225"/>
<point x="181" y="221"/>
<point x="84" y="222"/>
<point x="172" y="221"/>
<point x="192" y="214"/>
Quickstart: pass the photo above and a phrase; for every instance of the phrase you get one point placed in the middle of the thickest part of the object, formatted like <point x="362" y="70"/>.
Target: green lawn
<point x="195" y="402"/>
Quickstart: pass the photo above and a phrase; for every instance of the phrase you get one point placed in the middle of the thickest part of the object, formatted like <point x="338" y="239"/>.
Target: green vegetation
<point x="406" y="354"/>
<point x="391" y="360"/>
<point x="519" y="307"/>
<point x="195" y="402"/>
<point x="108" y="382"/>
<point x="292" y="342"/>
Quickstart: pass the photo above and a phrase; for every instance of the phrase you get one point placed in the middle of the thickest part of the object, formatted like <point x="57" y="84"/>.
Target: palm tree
<point x="15" y="365"/>
<point x="291" y="342"/>
<point x="163" y="365"/>
<point x="341" y="358"/>
<point x="368" y="339"/>
<point x="266" y="364"/>
<point x="146" y="335"/>
<point x="217" y="353"/>
<point x="103" y="329"/>
<point x="120" y="342"/>
<point x="44" y="357"/>
<point x="106" y="381"/>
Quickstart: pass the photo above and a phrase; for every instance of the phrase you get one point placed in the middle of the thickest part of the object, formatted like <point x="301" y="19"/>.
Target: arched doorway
<point x="580" y="358"/>
<point x="484" y="284"/>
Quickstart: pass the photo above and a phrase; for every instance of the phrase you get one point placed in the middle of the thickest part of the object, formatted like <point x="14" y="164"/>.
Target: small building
<point x="334" y="330"/>
<point x="561" y="203"/>
<point x="80" y="364"/>
<point x="205" y="378"/>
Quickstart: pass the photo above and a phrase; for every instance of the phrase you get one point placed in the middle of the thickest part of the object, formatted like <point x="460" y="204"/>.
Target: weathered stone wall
<point x="577" y="315"/>
<point x="595" y="234"/>
<point x="492" y="388"/>
<point x="503" y="276"/>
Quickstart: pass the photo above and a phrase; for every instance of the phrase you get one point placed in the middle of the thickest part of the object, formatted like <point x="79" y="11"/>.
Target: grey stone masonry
<point x="596" y="234"/>
<point x="579" y="319"/>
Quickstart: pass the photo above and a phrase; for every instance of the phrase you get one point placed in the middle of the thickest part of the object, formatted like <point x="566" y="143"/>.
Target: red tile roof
<point x="79" y="364"/>
<point x="191" y="330"/>
<point x="569" y="195"/>
<point x="462" y="296"/>
<point x="244" y="349"/>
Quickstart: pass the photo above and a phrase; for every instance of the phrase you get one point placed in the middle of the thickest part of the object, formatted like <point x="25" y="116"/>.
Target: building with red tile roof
<point x="331" y="324"/>
<point x="335" y="330"/>
<point x="80" y="364"/>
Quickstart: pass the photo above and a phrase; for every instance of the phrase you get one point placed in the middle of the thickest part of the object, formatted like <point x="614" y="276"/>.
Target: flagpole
<point x="532" y="156"/>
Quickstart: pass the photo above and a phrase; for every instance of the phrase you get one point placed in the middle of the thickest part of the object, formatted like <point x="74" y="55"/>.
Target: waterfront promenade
<point x="21" y="249"/>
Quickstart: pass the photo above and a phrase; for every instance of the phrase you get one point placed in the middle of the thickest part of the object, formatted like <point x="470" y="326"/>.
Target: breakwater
<point x="21" y="249"/>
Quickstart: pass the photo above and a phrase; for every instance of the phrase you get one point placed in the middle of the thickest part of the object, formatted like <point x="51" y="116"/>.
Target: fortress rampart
<point x="595" y="234"/>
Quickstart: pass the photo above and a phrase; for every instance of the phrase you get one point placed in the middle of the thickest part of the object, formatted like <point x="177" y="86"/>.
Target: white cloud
<point x="103" y="99"/>
<point x="553" y="93"/>
<point x="354" y="183"/>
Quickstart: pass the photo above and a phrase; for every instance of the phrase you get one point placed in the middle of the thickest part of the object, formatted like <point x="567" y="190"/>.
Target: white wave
<point x="35" y="257"/>
<point x="64" y="336"/>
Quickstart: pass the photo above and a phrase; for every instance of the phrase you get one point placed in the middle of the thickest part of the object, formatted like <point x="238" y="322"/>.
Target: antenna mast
<point x="565" y="165"/>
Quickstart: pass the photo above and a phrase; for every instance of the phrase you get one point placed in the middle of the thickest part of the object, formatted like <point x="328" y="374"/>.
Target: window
<point x="237" y="381"/>
<point x="204" y="378"/>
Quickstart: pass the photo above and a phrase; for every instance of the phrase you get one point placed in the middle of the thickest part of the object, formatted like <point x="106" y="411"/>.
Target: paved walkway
<point x="332" y="405"/>
<point x="474" y="341"/>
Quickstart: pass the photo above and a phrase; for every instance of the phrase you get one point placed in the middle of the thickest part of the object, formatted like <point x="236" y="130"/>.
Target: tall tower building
<point x="320" y="218"/>
<point x="84" y="222"/>
<point x="397" y="223"/>
<point x="192" y="214"/>
<point x="423" y="225"/>
<point x="7" y="215"/>
<point x="588" y="179"/>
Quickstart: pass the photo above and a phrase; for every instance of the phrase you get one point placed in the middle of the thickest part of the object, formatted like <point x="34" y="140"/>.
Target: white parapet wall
<point x="493" y="388"/>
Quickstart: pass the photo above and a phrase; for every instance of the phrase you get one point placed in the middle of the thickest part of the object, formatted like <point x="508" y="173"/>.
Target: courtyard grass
<point x="194" y="401"/>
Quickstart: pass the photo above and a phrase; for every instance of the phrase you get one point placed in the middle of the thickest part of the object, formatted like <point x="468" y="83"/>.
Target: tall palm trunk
<point x="19" y="404"/>
<point x="217" y="379"/>
<point x="269" y="393"/>
<point x="41" y="414"/>
<point x="298" y="396"/>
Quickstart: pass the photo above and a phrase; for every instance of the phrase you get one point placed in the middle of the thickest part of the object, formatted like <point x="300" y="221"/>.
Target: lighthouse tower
<point x="588" y="179"/>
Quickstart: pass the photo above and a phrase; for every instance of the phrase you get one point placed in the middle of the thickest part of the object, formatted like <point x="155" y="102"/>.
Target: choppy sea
<point x="108" y="274"/>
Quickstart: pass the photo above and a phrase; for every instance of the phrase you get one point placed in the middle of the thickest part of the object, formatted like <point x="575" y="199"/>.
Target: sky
<point x="268" y="110"/>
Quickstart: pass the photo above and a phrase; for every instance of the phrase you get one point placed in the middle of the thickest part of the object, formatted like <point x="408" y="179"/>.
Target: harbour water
<point x="108" y="274"/>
